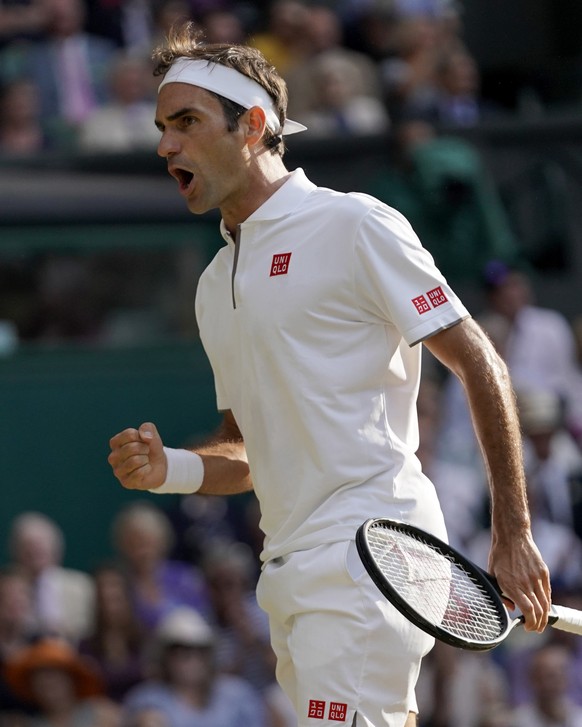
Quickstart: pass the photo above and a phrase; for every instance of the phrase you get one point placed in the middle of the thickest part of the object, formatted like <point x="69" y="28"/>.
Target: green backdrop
<point x="58" y="411"/>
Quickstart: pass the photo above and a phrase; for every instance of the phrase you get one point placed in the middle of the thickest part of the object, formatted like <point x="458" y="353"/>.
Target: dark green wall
<point x="57" y="413"/>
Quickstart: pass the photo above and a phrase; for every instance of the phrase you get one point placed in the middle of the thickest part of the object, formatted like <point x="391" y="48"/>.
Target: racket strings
<point x="436" y="586"/>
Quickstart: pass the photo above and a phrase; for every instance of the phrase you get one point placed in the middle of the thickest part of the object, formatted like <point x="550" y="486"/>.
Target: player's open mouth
<point x="184" y="178"/>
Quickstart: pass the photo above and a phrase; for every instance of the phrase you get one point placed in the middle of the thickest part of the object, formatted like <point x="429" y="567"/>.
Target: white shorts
<point x="342" y="649"/>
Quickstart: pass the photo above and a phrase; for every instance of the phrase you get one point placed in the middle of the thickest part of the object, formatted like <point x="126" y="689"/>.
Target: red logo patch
<point x="437" y="297"/>
<point x="280" y="264"/>
<point x="337" y="712"/>
<point x="316" y="709"/>
<point x="421" y="304"/>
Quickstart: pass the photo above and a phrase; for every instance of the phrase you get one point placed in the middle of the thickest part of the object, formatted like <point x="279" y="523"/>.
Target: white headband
<point x="232" y="85"/>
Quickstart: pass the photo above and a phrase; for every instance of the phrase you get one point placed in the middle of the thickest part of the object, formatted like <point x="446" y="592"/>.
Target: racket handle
<point x="566" y="619"/>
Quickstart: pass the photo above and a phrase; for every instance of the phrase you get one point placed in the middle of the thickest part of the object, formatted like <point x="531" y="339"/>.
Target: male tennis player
<point x="312" y="315"/>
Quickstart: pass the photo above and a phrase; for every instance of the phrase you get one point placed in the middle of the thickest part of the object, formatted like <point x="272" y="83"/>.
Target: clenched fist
<point x="137" y="458"/>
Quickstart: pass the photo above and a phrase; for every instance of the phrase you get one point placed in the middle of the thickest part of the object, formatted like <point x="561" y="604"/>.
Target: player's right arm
<point x="139" y="461"/>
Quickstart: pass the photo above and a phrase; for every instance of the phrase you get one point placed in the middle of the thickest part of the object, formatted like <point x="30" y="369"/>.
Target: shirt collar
<point x="283" y="202"/>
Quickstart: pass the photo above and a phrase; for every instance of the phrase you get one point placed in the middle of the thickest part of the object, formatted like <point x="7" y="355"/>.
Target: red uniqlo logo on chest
<point x="316" y="709"/>
<point x="421" y="304"/>
<point x="280" y="264"/>
<point x="337" y="712"/>
<point x="437" y="297"/>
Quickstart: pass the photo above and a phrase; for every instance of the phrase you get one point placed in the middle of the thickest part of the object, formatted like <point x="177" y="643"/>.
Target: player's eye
<point x="186" y="121"/>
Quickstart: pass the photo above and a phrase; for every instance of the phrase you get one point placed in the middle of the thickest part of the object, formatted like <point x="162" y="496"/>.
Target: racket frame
<point x="478" y="575"/>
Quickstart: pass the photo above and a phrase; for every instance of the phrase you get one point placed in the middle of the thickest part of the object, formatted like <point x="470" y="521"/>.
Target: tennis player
<point x="312" y="315"/>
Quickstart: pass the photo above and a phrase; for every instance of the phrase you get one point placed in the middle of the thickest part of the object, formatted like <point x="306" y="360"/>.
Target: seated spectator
<point x="128" y="24"/>
<point x="284" y="40"/>
<point x="517" y="661"/>
<point x="443" y="187"/>
<point x="339" y="107"/>
<point x="16" y="632"/>
<point x="324" y="34"/>
<point x="63" y="598"/>
<point x="550" y="672"/>
<point x="20" y="20"/>
<point x="143" y="538"/>
<point x="223" y="26"/>
<point x="65" y="688"/>
<point x="538" y="343"/>
<point x="461" y="486"/>
<point x="551" y="456"/>
<point x="21" y="131"/>
<point x="409" y="67"/>
<point x="125" y="122"/>
<point x="68" y="66"/>
<point x="241" y="627"/>
<point x="453" y="99"/>
<point x="117" y="642"/>
<point x="188" y="690"/>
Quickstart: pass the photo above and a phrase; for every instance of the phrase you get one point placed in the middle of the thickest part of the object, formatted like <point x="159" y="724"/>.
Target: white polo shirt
<point x="310" y="322"/>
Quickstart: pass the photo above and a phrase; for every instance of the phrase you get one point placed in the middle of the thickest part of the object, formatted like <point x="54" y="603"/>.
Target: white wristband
<point x="185" y="472"/>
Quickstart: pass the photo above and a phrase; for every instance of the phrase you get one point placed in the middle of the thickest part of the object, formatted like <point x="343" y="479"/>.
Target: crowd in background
<point x="168" y="633"/>
<point x="76" y="74"/>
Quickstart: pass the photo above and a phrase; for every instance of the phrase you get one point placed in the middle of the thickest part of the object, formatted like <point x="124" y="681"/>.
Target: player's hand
<point x="137" y="458"/>
<point x="524" y="579"/>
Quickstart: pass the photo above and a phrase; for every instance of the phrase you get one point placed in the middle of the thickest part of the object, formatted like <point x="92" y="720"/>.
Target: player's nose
<point x="168" y="145"/>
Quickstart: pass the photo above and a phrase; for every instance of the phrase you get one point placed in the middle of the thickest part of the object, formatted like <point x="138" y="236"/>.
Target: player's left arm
<point x="515" y="560"/>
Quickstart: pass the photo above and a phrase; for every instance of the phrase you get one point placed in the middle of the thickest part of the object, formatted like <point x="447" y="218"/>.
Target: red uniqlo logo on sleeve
<point x="437" y="297"/>
<point x="316" y="709"/>
<point x="280" y="264"/>
<point x="337" y="712"/>
<point x="421" y="304"/>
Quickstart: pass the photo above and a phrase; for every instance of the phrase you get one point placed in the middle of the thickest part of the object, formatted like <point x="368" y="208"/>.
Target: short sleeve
<point x="397" y="281"/>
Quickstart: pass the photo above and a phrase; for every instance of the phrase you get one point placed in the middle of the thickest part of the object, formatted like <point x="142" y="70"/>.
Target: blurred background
<point x="465" y="116"/>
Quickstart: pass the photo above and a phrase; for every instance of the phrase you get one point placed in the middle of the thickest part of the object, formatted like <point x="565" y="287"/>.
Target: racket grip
<point x="566" y="619"/>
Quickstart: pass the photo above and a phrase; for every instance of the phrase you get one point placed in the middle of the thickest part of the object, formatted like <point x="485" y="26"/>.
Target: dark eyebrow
<point x="176" y="115"/>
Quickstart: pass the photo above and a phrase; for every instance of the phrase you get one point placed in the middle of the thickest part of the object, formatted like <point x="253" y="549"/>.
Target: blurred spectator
<point x="126" y="122"/>
<point x="462" y="688"/>
<point x="537" y="343"/>
<point x="324" y="35"/>
<point x="128" y="24"/>
<point x="69" y="68"/>
<point x="166" y="14"/>
<point x="339" y="107"/>
<point x="16" y="632"/>
<point x="552" y="459"/>
<point x="442" y="186"/>
<point x="223" y="26"/>
<point x="284" y="40"/>
<point x="243" y="645"/>
<point x="189" y="691"/>
<point x="21" y="131"/>
<point x="369" y="28"/>
<point x="21" y="19"/>
<point x="143" y="538"/>
<point x="63" y="598"/>
<point x="549" y="673"/>
<point x="462" y="489"/>
<point x="453" y="99"/>
<point x="117" y="642"/>
<point x="241" y="627"/>
<point x="409" y="68"/>
<point x="64" y="687"/>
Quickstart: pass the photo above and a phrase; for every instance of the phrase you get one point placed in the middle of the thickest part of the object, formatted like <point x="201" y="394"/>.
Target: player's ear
<point x="255" y="124"/>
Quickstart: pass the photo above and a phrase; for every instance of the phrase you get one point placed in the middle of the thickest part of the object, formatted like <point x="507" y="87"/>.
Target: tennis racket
<point x="439" y="590"/>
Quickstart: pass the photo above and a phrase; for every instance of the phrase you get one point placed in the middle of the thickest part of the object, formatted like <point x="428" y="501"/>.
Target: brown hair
<point x="187" y="41"/>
